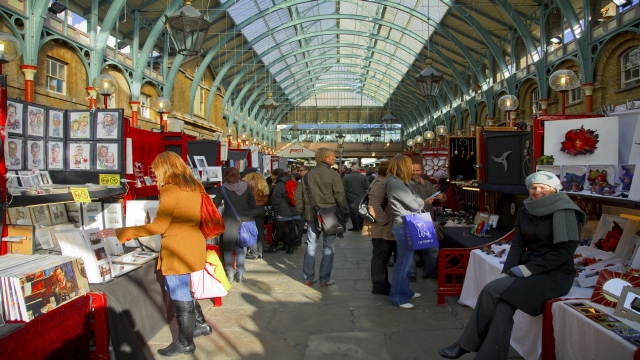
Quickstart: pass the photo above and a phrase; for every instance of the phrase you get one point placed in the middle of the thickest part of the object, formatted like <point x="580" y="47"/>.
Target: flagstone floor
<point x="274" y="315"/>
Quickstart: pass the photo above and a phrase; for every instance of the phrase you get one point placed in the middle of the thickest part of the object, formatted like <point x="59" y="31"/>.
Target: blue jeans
<point x="430" y="262"/>
<point x="328" y="250"/>
<point x="178" y="287"/>
<point x="400" y="291"/>
<point x="228" y="262"/>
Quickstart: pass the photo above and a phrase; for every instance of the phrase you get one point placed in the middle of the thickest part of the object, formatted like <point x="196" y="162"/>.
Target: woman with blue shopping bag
<point x="405" y="203"/>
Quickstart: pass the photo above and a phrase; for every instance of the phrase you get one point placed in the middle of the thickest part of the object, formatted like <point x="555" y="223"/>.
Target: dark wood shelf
<point x="28" y="200"/>
<point x="604" y="200"/>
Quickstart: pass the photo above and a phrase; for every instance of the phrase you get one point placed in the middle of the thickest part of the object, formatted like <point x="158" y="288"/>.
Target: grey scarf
<point x="238" y="188"/>
<point x="562" y="208"/>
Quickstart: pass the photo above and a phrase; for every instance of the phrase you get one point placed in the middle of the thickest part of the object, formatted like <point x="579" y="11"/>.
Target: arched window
<point x="631" y="67"/>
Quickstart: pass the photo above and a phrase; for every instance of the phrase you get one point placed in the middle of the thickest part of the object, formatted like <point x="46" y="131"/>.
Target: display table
<point x="62" y="333"/>
<point x="581" y="345"/>
<point x="136" y="310"/>
<point x="458" y="236"/>
<point x="526" y="337"/>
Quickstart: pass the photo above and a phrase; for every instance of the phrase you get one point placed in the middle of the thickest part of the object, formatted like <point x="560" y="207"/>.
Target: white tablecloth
<point x="526" y="337"/>
<point x="592" y="341"/>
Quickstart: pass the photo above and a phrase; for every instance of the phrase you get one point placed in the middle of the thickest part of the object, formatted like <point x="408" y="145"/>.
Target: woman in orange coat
<point x="183" y="247"/>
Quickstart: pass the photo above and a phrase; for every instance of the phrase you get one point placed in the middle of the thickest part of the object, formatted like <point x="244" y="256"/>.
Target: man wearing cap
<point x="539" y="267"/>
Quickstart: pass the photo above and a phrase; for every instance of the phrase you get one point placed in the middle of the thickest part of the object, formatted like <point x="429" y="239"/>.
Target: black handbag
<point x="361" y="206"/>
<point x="330" y="219"/>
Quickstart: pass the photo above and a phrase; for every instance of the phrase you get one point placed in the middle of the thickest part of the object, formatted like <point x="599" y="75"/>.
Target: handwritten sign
<point x="80" y="195"/>
<point x="110" y="179"/>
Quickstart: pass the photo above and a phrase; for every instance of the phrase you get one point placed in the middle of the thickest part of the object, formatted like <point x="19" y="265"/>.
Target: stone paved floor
<point x="275" y="316"/>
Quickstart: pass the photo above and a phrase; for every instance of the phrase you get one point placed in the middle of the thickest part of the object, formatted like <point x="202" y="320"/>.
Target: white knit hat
<point x="544" y="177"/>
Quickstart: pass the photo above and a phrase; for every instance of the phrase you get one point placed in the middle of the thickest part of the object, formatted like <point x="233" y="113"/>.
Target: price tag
<point x="110" y="179"/>
<point x="80" y="195"/>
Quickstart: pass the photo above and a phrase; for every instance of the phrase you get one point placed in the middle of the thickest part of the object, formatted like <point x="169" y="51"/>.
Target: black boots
<point x="186" y="316"/>
<point x="202" y="328"/>
<point x="453" y="352"/>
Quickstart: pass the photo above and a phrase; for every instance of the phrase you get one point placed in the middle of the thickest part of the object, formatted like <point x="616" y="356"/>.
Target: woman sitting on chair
<point x="539" y="267"/>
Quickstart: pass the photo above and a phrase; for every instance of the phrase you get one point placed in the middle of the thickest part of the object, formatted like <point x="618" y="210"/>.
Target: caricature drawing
<point x="13" y="120"/>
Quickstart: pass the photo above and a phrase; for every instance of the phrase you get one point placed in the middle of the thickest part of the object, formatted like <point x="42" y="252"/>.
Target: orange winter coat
<point x="183" y="247"/>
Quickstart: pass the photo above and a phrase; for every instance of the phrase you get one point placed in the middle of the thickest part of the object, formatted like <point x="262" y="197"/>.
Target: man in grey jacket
<point x="326" y="190"/>
<point x="355" y="185"/>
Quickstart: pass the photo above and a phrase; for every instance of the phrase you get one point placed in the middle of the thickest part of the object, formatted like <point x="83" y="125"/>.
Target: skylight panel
<point x="254" y="29"/>
<point x="242" y="10"/>
<point x="412" y="43"/>
<point x="395" y="35"/>
<point x="401" y="18"/>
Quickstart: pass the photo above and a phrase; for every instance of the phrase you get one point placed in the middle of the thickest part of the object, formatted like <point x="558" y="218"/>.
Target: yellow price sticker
<point x="80" y="195"/>
<point x="110" y="179"/>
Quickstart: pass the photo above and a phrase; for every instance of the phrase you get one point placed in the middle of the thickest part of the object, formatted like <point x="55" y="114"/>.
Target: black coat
<point x="243" y="204"/>
<point x="278" y="199"/>
<point x="551" y="264"/>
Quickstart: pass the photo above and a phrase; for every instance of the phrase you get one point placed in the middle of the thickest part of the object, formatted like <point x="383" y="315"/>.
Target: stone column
<point x="29" y="74"/>
<point x="588" y="97"/>
<point x="135" y="105"/>
<point x="543" y="106"/>
<point x="92" y="97"/>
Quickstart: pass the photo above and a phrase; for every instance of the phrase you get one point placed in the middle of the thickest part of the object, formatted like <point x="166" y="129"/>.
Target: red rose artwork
<point x="580" y="142"/>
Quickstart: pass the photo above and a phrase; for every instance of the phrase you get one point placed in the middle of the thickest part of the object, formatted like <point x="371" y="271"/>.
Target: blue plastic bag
<point x="419" y="231"/>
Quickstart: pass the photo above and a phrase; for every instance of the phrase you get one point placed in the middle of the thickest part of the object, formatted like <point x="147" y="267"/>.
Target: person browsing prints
<point x="539" y="267"/>
<point x="325" y="187"/>
<point x="403" y="201"/>
<point x="183" y="247"/>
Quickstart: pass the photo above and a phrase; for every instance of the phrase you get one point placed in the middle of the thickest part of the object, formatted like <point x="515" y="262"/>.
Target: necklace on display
<point x="466" y="143"/>
<point x="473" y="147"/>
<point x="456" y="152"/>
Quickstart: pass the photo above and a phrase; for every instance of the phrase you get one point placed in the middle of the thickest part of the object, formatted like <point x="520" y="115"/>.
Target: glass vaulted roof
<point x="343" y="53"/>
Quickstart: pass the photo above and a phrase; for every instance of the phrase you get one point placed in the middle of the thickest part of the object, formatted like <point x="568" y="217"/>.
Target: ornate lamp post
<point x="418" y="140"/>
<point x="188" y="28"/>
<point x="106" y="85"/>
<point x="162" y="105"/>
<point x="441" y="132"/>
<point x="563" y="81"/>
<point x="509" y="103"/>
<point x="340" y="138"/>
<point x="429" y="136"/>
<point x="295" y="132"/>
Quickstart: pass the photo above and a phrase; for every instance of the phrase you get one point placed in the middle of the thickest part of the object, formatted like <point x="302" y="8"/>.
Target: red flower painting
<point x="580" y="142"/>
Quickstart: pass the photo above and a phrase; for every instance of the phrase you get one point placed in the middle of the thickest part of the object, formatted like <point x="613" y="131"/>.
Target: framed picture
<point x="107" y="156"/>
<point x="78" y="124"/>
<point x="13" y="151"/>
<point x="629" y="304"/>
<point x="189" y="161"/>
<point x="79" y="155"/>
<point x="35" y="124"/>
<point x="92" y="215"/>
<point x="28" y="179"/>
<point x="15" y="115"/>
<point x="55" y="155"/>
<point x="201" y="162"/>
<point x="40" y="215"/>
<point x="46" y="178"/>
<point x="108" y="124"/>
<point x="35" y="154"/>
<point x="58" y="214"/>
<point x="493" y="219"/>
<point x="19" y="216"/>
<point x="12" y="179"/>
<point x="215" y="173"/>
<point x="55" y="123"/>
<point x="609" y="287"/>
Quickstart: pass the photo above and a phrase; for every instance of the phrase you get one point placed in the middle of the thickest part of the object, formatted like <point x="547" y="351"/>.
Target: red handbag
<point x="211" y="223"/>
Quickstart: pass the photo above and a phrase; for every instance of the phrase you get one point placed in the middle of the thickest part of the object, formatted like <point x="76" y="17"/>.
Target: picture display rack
<point x="74" y="146"/>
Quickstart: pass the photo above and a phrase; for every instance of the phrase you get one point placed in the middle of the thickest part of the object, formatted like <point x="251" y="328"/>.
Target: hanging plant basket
<point x="580" y="142"/>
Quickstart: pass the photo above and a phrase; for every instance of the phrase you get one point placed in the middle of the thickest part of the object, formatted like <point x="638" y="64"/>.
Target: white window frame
<point x="198" y="104"/>
<point x="145" y="102"/>
<point x="627" y="66"/>
<point x="49" y="64"/>
<point x="575" y="95"/>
